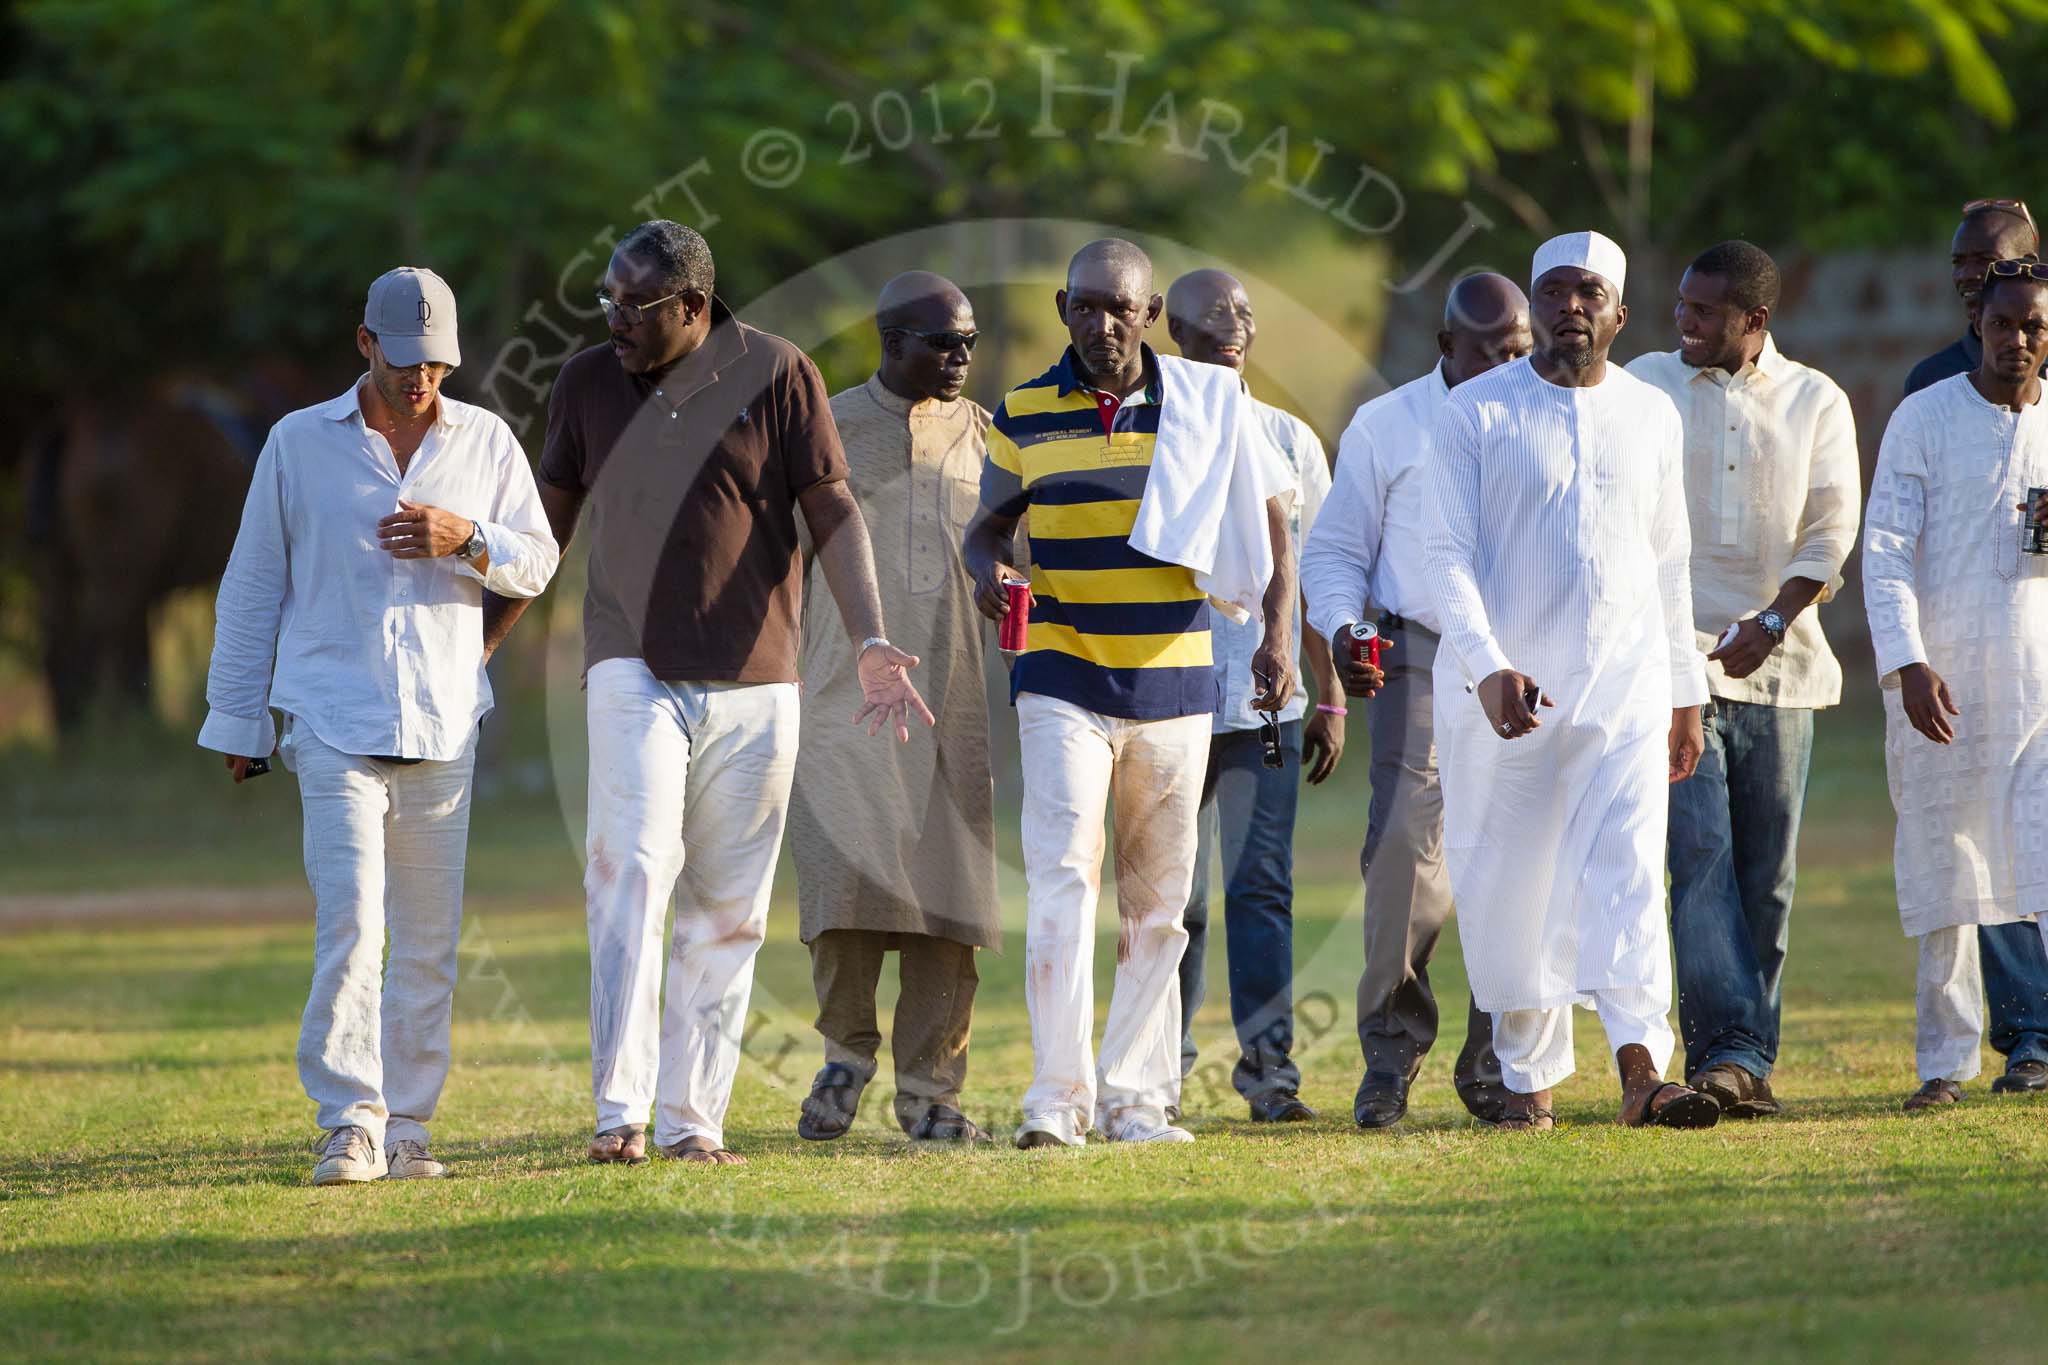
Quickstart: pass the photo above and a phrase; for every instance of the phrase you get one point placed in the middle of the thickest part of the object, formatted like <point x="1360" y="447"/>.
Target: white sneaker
<point x="1046" y="1131"/>
<point x="347" y="1157"/>
<point x="410" y="1160"/>
<point x="1143" y="1125"/>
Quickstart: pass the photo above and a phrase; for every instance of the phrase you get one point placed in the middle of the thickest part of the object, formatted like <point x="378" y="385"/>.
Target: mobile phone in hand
<point x="1531" y="695"/>
<point x="257" y="768"/>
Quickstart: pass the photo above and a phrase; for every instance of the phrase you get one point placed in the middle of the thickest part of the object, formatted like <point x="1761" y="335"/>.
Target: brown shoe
<point x="942" y="1123"/>
<point x="1934" y="1095"/>
<point x="1741" y="1093"/>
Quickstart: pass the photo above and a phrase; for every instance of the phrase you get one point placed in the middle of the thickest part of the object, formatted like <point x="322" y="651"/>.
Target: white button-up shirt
<point x="1234" y="643"/>
<point x="376" y="655"/>
<point x="1773" y="485"/>
<point x="1367" y="546"/>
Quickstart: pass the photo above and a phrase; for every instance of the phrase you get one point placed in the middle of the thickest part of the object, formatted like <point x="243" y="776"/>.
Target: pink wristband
<point x="1333" y="710"/>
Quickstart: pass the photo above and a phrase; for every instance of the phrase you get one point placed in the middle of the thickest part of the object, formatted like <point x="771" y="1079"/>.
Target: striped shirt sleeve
<point x="1002" y="472"/>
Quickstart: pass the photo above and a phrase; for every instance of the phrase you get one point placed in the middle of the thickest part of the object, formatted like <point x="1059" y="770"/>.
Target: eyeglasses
<point x="2017" y="207"/>
<point x="2010" y="270"/>
<point x="632" y="313"/>
<point x="944" y="341"/>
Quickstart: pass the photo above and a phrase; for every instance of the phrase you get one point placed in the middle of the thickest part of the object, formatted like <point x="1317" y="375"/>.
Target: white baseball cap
<point x="412" y="311"/>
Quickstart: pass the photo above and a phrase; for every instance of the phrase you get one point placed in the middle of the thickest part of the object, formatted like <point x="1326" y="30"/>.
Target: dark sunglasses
<point x="2012" y="206"/>
<point x="2009" y="270"/>
<point x="1270" y="752"/>
<point x="944" y="341"/>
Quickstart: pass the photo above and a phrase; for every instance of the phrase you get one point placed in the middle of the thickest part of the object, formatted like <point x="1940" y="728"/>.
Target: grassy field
<point x="153" y="1158"/>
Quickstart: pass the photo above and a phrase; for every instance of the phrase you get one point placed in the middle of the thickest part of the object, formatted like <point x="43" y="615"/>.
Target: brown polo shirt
<point x="691" y="479"/>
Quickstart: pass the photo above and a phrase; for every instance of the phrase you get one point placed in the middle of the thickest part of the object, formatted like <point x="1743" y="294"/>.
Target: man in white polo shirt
<point x="353" y="603"/>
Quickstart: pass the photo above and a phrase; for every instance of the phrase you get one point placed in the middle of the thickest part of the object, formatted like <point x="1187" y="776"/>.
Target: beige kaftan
<point x="890" y="836"/>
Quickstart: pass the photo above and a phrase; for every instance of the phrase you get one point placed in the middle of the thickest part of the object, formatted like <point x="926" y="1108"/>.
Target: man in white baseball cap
<point x="353" y="603"/>
<point x="411" y="313"/>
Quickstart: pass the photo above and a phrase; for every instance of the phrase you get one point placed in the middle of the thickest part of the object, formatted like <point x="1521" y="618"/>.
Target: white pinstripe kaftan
<point x="1557" y="546"/>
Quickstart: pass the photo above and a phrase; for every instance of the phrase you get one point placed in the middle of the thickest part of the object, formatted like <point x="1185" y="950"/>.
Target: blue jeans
<point x="1734" y="834"/>
<point x="2015" y="970"/>
<point x="1251" y="807"/>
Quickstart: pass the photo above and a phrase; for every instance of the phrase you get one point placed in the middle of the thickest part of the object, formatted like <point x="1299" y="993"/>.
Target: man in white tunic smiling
<point x="1959" y="624"/>
<point x="1558" y="547"/>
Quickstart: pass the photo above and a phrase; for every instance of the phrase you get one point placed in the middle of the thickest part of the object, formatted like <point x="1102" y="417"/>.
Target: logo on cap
<point x="426" y="310"/>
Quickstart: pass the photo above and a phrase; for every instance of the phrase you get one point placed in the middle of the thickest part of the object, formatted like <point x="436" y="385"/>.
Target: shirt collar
<point x="1068" y="372"/>
<point x="722" y="345"/>
<point x="346" y="405"/>
<point x="1769" y="363"/>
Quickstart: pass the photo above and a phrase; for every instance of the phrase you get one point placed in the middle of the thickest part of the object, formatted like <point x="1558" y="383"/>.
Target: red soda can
<point x="1363" y="640"/>
<point x="1010" y="636"/>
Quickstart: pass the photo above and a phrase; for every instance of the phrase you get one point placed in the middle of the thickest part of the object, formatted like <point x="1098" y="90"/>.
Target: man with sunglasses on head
<point x="895" y="845"/>
<point x="2014" y="965"/>
<point x="353" y="603"/>
<point x="1256" y="758"/>
<point x="1991" y="230"/>
<point x="693" y="441"/>
<point x="1959" y="625"/>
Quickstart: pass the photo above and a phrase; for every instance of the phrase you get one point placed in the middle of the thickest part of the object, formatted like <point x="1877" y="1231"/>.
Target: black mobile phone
<point x="1531" y="695"/>
<point x="257" y="767"/>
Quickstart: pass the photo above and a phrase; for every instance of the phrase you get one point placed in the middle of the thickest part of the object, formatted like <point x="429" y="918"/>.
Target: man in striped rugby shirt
<point x="1114" y="693"/>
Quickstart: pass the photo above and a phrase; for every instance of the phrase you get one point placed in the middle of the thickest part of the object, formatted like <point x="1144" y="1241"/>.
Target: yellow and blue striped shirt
<point x="1112" y="630"/>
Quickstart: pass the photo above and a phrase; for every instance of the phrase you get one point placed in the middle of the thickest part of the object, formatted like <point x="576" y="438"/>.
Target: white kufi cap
<point x="1592" y="251"/>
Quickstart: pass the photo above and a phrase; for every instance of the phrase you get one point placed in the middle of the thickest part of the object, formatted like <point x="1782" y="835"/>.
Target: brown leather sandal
<point x="1537" y="1120"/>
<point x="626" y="1145"/>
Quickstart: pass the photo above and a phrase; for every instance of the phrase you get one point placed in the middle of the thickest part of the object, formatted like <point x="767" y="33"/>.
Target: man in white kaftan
<point x="1959" y="624"/>
<point x="1558" y="549"/>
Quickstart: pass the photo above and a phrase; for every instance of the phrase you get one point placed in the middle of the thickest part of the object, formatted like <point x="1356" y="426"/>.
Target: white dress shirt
<point x="376" y="655"/>
<point x="1367" y="546"/>
<point x="1773" y="484"/>
<point x="1234" y="643"/>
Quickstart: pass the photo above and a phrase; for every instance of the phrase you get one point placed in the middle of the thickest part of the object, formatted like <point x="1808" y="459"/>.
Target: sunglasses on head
<point x="943" y="341"/>
<point x="2016" y="207"/>
<point x="2033" y="270"/>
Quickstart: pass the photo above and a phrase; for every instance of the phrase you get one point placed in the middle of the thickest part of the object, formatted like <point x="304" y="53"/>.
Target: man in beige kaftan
<point x="895" y="845"/>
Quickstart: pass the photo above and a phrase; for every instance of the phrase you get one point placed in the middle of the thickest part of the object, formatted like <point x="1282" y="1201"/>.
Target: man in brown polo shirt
<point x="691" y="440"/>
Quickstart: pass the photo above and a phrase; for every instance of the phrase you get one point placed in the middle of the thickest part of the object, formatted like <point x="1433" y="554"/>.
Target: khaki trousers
<point x="928" y="1036"/>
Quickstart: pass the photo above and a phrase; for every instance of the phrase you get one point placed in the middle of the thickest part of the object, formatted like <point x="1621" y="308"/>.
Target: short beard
<point x="1574" y="356"/>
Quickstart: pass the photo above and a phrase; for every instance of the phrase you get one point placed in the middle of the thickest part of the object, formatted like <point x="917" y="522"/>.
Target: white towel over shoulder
<point x="1213" y="469"/>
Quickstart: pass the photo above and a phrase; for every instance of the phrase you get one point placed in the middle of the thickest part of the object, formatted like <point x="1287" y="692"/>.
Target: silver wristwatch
<point x="474" y="546"/>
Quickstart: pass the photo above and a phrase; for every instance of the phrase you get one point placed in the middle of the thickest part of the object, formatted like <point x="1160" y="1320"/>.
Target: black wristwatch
<point x="474" y="546"/>
<point x="1773" y="623"/>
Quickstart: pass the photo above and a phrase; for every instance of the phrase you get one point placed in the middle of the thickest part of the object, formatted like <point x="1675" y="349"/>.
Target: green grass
<point x="152" y="1154"/>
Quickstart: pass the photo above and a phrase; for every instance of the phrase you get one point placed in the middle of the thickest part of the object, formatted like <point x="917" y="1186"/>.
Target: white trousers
<point x="1535" y="1046"/>
<point x="1948" y="1005"/>
<point x="384" y="852"/>
<point x="1074" y="762"/>
<point x="689" y="778"/>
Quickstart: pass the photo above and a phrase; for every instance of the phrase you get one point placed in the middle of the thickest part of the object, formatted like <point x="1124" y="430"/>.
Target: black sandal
<point x="1537" y="1120"/>
<point x="1690" y="1109"/>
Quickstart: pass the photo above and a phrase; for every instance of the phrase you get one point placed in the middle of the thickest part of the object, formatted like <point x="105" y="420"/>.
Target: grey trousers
<point x="933" y="1009"/>
<point x="1407" y="886"/>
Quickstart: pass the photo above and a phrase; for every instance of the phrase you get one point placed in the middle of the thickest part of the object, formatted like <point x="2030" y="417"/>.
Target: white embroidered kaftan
<point x="1946" y="584"/>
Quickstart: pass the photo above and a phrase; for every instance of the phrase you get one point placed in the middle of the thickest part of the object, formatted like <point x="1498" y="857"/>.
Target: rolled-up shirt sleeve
<point x="246" y="616"/>
<point x="523" y="553"/>
<point x="1827" y="527"/>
